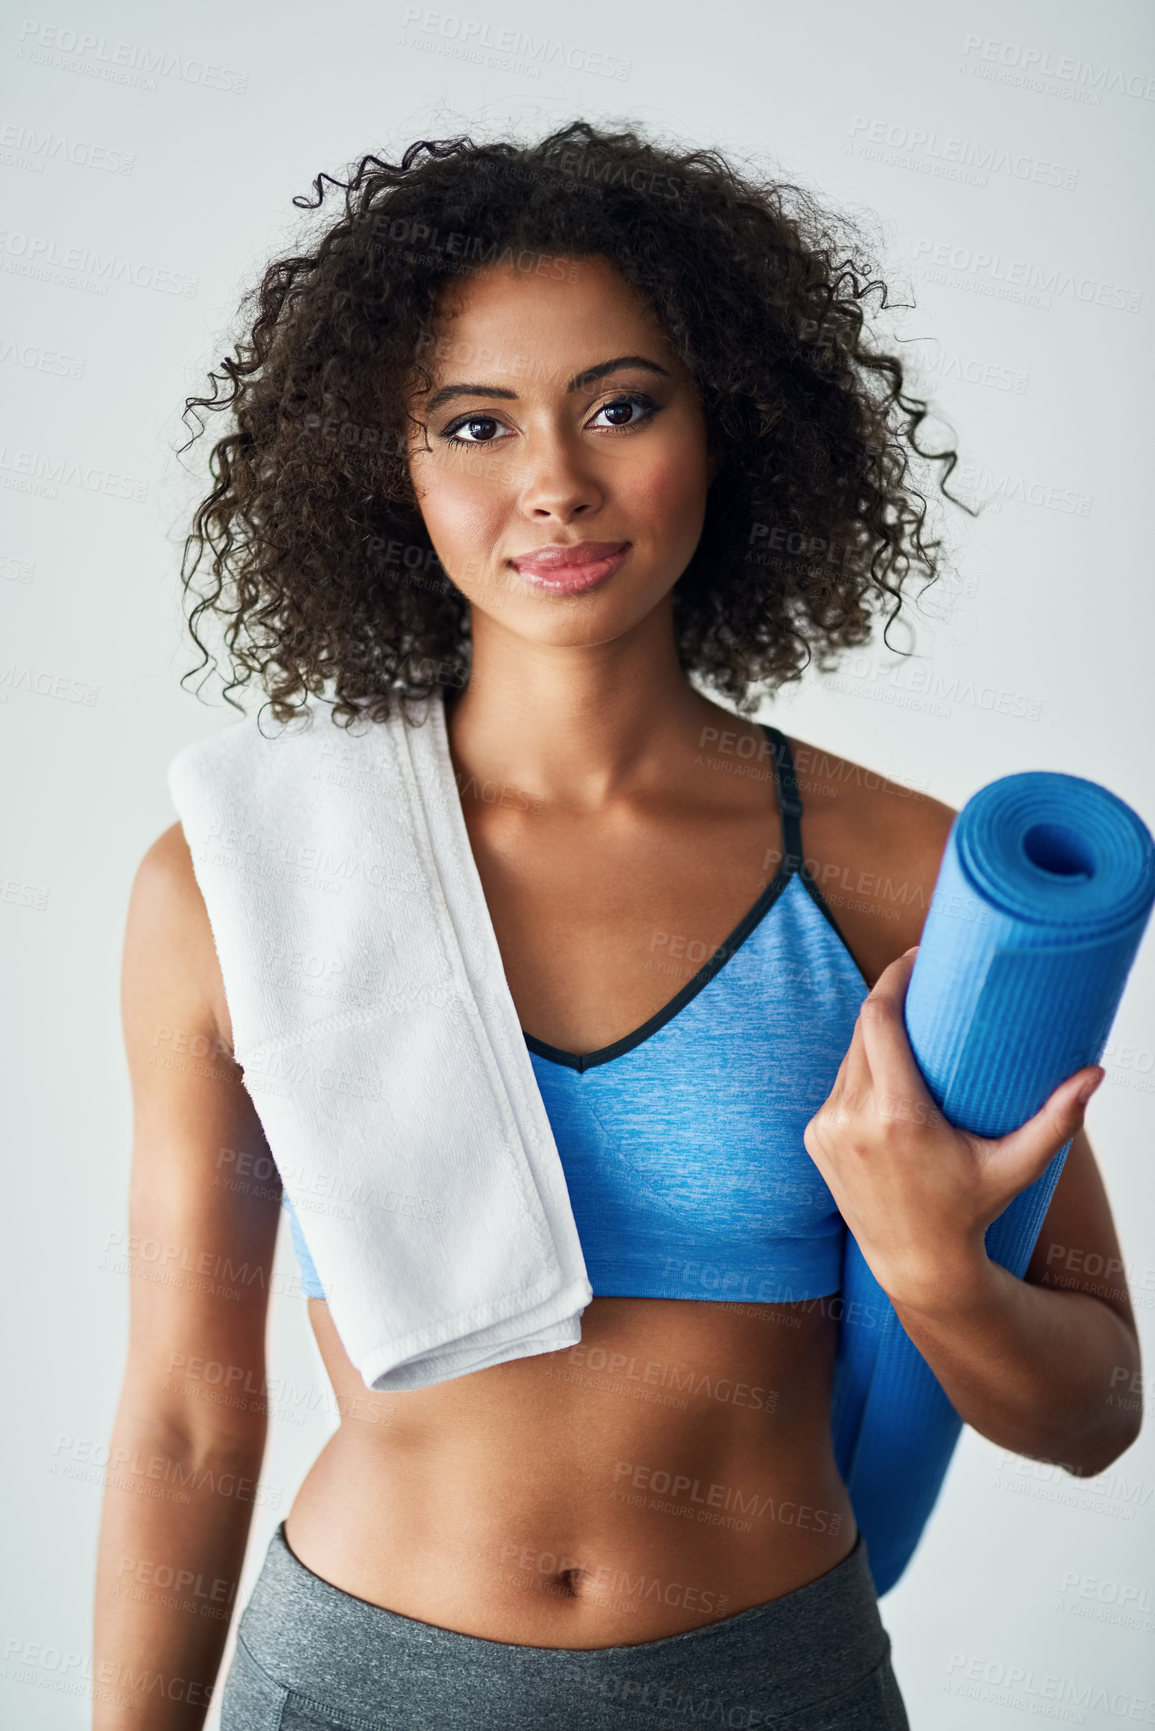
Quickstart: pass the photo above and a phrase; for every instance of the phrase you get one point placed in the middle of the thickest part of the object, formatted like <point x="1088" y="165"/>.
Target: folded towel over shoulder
<point x="384" y="1055"/>
<point x="380" y="1044"/>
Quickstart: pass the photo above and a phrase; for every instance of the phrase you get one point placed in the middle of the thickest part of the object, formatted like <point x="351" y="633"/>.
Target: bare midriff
<point x="673" y="1469"/>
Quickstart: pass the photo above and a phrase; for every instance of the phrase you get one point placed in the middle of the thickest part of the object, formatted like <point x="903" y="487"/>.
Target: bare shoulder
<point x="875" y="809"/>
<point x="168" y="939"/>
<point x="873" y="846"/>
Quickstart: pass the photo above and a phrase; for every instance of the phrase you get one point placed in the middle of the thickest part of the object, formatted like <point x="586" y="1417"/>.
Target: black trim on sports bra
<point x="790" y="811"/>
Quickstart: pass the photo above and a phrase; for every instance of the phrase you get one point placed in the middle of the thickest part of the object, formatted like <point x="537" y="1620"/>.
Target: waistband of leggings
<point x="295" y="1622"/>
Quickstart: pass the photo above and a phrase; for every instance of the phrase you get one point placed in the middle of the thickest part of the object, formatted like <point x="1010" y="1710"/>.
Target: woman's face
<point x="579" y="429"/>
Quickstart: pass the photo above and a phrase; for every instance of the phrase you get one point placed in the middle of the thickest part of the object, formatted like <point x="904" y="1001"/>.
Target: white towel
<point x="380" y="1043"/>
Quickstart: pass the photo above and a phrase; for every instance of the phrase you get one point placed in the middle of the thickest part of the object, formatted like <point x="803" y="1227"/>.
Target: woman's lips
<point x="571" y="570"/>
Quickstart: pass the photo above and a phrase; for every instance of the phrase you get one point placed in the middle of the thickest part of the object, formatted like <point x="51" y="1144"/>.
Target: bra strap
<point x="789" y="801"/>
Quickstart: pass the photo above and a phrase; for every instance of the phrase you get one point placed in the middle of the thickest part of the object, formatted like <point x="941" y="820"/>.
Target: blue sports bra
<point x="681" y="1143"/>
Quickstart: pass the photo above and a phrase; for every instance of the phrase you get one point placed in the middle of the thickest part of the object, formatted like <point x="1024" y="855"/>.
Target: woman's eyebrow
<point x="587" y="377"/>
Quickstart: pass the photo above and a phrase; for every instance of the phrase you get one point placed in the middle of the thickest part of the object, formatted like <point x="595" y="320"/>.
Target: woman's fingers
<point x="884" y="1069"/>
<point x="1024" y="1154"/>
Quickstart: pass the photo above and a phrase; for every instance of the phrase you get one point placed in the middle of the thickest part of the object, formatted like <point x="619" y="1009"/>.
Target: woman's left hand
<point x="916" y="1193"/>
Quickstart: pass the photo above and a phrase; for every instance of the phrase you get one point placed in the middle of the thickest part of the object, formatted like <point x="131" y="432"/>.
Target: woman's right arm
<point x="189" y="1434"/>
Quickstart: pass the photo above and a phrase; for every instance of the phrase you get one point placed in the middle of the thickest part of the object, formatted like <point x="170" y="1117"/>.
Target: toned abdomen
<point x="674" y="1468"/>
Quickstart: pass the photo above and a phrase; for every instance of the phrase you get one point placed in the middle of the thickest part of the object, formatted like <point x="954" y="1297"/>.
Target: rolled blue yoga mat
<point x="1042" y="898"/>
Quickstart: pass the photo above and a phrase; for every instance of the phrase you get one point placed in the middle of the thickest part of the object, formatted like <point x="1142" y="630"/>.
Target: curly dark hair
<point x="321" y="564"/>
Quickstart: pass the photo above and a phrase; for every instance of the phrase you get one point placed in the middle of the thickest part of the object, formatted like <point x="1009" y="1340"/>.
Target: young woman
<point x="556" y="435"/>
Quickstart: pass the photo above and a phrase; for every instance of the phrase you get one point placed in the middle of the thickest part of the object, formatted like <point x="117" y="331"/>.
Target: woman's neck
<point x="582" y="725"/>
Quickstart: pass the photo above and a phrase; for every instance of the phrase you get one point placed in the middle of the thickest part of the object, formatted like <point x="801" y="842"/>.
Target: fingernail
<point x="1088" y="1088"/>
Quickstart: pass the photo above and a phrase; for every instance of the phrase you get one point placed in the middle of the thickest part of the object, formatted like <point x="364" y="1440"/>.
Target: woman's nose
<point x="558" y="479"/>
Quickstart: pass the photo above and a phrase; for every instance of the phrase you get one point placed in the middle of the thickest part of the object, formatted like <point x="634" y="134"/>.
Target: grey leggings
<point x="313" y="1658"/>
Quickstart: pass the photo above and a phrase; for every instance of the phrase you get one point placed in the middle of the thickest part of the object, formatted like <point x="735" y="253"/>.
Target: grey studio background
<point x="150" y="156"/>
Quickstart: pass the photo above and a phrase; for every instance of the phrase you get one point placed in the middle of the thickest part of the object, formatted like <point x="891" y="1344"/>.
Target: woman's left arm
<point x="1046" y="1366"/>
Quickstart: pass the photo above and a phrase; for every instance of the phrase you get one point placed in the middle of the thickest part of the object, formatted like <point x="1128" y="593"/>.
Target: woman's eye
<point x="633" y="400"/>
<point x="621" y="409"/>
<point x="470" y="421"/>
